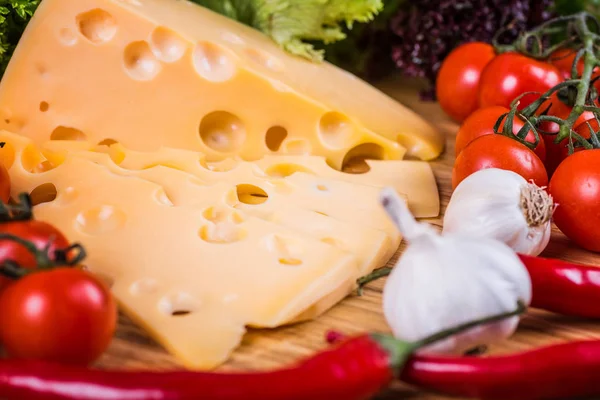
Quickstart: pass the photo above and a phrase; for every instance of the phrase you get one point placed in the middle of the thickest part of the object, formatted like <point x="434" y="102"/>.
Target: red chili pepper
<point x="356" y="369"/>
<point x="564" y="371"/>
<point x="564" y="288"/>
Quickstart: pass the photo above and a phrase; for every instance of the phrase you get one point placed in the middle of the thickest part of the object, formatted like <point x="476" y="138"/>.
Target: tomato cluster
<point x="476" y="87"/>
<point x="53" y="312"/>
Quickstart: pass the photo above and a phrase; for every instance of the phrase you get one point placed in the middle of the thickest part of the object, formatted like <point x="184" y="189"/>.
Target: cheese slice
<point x="414" y="179"/>
<point x="222" y="271"/>
<point x="371" y="247"/>
<point x="151" y="73"/>
<point x="259" y="192"/>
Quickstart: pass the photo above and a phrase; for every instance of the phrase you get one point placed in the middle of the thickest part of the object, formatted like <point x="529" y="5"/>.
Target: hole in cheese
<point x="163" y="198"/>
<point x="251" y="194"/>
<point x="224" y="165"/>
<point x="100" y="220"/>
<point x="322" y="188"/>
<point x="107" y="142"/>
<point x="33" y="160"/>
<point x="167" y="45"/>
<point x="222" y="131"/>
<point x="275" y="136"/>
<point x="354" y="160"/>
<point x="7" y="154"/>
<point x="335" y="130"/>
<point x="44" y="106"/>
<point x="285" y="170"/>
<point x="213" y="214"/>
<point x="67" y="37"/>
<point x="144" y="286"/>
<point x="222" y="233"/>
<point x="213" y="62"/>
<point x="265" y="59"/>
<point x="67" y="133"/>
<point x="178" y="304"/>
<point x="43" y="193"/>
<point x="140" y="62"/>
<point x="97" y="25"/>
<point x="296" y="146"/>
<point x="290" y="261"/>
<point x="331" y="241"/>
<point x="322" y="213"/>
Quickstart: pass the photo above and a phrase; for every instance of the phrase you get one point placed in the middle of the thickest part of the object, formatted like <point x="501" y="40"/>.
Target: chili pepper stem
<point x="399" y="350"/>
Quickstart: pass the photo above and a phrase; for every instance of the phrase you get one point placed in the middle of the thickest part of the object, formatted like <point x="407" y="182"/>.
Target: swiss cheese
<point x="414" y="179"/>
<point x="106" y="208"/>
<point x="151" y="73"/>
<point x="221" y="271"/>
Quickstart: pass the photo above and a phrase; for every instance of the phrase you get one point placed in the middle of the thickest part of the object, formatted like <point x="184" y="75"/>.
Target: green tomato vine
<point x="581" y="34"/>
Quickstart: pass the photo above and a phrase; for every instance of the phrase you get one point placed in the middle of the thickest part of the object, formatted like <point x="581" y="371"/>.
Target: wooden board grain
<point x="263" y="349"/>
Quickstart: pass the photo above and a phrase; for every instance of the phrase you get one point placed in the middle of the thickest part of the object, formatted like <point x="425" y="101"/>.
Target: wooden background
<point x="132" y="348"/>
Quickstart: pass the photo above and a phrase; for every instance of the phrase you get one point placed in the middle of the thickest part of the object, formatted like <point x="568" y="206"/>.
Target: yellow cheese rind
<point x="170" y="73"/>
<point x="166" y="259"/>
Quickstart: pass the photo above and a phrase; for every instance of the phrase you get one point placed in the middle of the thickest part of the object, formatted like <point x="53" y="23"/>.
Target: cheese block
<point x="151" y="73"/>
<point x="192" y="277"/>
<point x="258" y="191"/>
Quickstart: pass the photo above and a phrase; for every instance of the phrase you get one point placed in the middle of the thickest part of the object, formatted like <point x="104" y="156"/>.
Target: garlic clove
<point x="441" y="281"/>
<point x="502" y="205"/>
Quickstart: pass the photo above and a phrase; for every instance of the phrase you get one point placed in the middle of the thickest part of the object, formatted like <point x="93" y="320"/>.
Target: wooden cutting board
<point x="132" y="348"/>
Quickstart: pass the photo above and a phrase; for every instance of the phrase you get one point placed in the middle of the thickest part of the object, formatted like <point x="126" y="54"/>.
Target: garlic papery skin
<point x="441" y="281"/>
<point x="500" y="204"/>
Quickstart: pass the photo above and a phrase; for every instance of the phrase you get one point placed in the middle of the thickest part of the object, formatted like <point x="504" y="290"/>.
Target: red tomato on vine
<point x="458" y="79"/>
<point x="497" y="151"/>
<point x="575" y="187"/>
<point x="510" y="75"/>
<point x="482" y="122"/>
<point x="554" y="151"/>
<point x="62" y="315"/>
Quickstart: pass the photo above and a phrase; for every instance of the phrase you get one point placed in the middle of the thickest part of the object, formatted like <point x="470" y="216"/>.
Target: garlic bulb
<point x="501" y="205"/>
<point x="441" y="281"/>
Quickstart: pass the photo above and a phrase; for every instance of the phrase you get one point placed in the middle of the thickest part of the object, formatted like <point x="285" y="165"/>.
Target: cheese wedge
<point x="151" y="73"/>
<point x="222" y="271"/>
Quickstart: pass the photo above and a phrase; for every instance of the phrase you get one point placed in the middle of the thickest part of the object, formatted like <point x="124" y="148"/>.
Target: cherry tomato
<point x="458" y="78"/>
<point x="497" y="151"/>
<point x="5" y="185"/>
<point x="575" y="187"/>
<point x="554" y="152"/>
<point x="62" y="315"/>
<point x="509" y="75"/>
<point x="40" y="233"/>
<point x="482" y="122"/>
<point x="563" y="59"/>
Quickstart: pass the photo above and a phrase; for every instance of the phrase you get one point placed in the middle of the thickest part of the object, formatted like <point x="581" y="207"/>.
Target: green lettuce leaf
<point x="297" y="24"/>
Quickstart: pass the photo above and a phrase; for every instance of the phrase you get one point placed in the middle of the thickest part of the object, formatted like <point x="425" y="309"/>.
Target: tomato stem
<point x="20" y="211"/>
<point x="62" y="257"/>
<point x="583" y="35"/>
